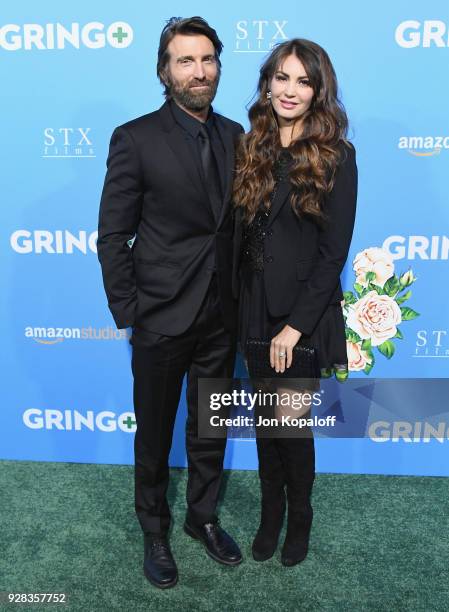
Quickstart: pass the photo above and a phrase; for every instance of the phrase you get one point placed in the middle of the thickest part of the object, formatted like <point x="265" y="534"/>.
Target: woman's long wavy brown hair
<point x="315" y="152"/>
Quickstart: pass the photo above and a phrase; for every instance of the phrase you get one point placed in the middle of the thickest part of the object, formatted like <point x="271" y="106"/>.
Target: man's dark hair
<point x="188" y="26"/>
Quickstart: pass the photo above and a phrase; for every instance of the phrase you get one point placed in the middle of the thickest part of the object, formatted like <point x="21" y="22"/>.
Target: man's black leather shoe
<point x="218" y="544"/>
<point x="159" y="566"/>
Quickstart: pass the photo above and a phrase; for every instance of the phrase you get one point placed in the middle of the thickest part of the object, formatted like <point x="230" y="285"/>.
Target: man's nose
<point x="199" y="72"/>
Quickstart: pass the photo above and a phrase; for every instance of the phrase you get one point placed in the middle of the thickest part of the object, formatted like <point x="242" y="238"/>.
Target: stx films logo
<point x="92" y="35"/>
<point x="259" y="35"/>
<point x="432" y="343"/>
<point x="68" y="142"/>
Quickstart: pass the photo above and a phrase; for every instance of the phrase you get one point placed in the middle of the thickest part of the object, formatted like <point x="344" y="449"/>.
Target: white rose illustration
<point x="357" y="357"/>
<point x="374" y="316"/>
<point x="375" y="260"/>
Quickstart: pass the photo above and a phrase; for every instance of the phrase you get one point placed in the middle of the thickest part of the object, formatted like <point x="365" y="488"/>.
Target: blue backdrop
<point x="71" y="73"/>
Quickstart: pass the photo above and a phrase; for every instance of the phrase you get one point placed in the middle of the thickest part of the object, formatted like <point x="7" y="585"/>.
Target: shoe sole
<point x="262" y="558"/>
<point x="167" y="585"/>
<point x="193" y="535"/>
<point x="292" y="562"/>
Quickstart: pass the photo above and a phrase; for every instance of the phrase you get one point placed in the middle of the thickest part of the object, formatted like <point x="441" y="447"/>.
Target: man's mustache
<point x="204" y="82"/>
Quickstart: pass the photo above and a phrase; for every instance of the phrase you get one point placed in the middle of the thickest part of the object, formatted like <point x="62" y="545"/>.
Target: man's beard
<point x="191" y="98"/>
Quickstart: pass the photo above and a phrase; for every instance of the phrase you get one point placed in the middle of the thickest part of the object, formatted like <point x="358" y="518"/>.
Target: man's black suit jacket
<point x="303" y="261"/>
<point x="153" y="191"/>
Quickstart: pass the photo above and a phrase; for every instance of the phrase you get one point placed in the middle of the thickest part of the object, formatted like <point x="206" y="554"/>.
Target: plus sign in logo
<point x="120" y="35"/>
<point x="128" y="424"/>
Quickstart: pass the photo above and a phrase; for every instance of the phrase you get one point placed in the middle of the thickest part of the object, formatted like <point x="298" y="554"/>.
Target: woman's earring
<point x="268" y="95"/>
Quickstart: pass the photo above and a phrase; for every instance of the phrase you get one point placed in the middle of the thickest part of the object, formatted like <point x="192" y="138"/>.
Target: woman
<point x="295" y="196"/>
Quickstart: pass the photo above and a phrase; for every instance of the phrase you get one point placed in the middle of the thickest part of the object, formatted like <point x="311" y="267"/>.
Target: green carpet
<point x="378" y="543"/>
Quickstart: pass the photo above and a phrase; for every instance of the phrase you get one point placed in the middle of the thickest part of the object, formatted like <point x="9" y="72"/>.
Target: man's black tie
<point x="210" y="171"/>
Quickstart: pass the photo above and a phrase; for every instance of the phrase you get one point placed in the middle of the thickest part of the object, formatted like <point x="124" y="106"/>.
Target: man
<point x="168" y="186"/>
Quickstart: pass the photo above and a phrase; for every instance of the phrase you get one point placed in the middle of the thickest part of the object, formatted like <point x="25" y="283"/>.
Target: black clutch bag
<point x="304" y="362"/>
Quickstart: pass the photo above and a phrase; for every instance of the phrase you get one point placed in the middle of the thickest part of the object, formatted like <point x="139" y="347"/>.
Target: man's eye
<point x="185" y="61"/>
<point x="210" y="60"/>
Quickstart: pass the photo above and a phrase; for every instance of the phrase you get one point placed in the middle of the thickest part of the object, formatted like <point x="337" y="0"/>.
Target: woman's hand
<point x="281" y="349"/>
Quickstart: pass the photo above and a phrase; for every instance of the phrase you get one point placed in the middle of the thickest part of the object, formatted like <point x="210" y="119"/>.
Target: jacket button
<point x="269" y="232"/>
<point x="269" y="259"/>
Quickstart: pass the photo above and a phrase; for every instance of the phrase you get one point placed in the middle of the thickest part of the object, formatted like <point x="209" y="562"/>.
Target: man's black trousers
<point x="159" y="363"/>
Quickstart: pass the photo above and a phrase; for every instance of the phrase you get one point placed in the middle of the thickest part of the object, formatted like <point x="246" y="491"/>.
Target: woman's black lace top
<point x="254" y="233"/>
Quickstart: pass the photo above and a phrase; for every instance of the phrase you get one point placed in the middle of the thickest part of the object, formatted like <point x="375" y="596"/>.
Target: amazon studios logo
<point x="417" y="247"/>
<point x="258" y="35"/>
<point x="68" y="142"/>
<point x="55" y="335"/>
<point x="423" y="146"/>
<point x="33" y="36"/>
<point x="429" y="33"/>
<point x="73" y="420"/>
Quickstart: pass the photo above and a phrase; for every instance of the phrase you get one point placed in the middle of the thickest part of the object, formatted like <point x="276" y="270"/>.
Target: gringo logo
<point x="423" y="146"/>
<point x="72" y="420"/>
<point x="59" y="241"/>
<point x="422" y="431"/>
<point x="258" y="35"/>
<point x="55" y="335"/>
<point x="417" y="247"/>
<point x="413" y="33"/>
<point x="32" y="36"/>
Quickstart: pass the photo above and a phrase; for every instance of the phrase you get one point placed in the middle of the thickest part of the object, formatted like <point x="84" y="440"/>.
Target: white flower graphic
<point x="374" y="316"/>
<point x="376" y="260"/>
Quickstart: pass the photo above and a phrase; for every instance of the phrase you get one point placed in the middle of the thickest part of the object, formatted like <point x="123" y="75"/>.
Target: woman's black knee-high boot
<point x="272" y="484"/>
<point x="298" y="458"/>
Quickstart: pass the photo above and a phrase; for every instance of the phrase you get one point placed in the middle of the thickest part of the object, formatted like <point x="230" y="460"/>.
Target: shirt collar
<point x="189" y="123"/>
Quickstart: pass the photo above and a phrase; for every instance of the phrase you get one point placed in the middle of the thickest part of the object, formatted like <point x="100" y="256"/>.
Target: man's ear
<point x="163" y="77"/>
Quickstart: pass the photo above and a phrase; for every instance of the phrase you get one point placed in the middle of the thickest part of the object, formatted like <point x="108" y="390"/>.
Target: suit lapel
<point x="227" y="138"/>
<point x="282" y="192"/>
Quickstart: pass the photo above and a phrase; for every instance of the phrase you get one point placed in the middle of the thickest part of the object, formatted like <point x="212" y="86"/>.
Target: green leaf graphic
<point x="341" y="375"/>
<point x="326" y="372"/>
<point x="349" y="297"/>
<point x="398" y="334"/>
<point x="408" y="313"/>
<point x="358" y="288"/>
<point x="392" y="286"/>
<point x="367" y="369"/>
<point x="403" y="298"/>
<point x="351" y="335"/>
<point x="387" y="349"/>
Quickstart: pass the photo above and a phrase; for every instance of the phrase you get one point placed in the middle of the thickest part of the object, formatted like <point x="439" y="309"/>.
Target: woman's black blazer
<point x="303" y="261"/>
